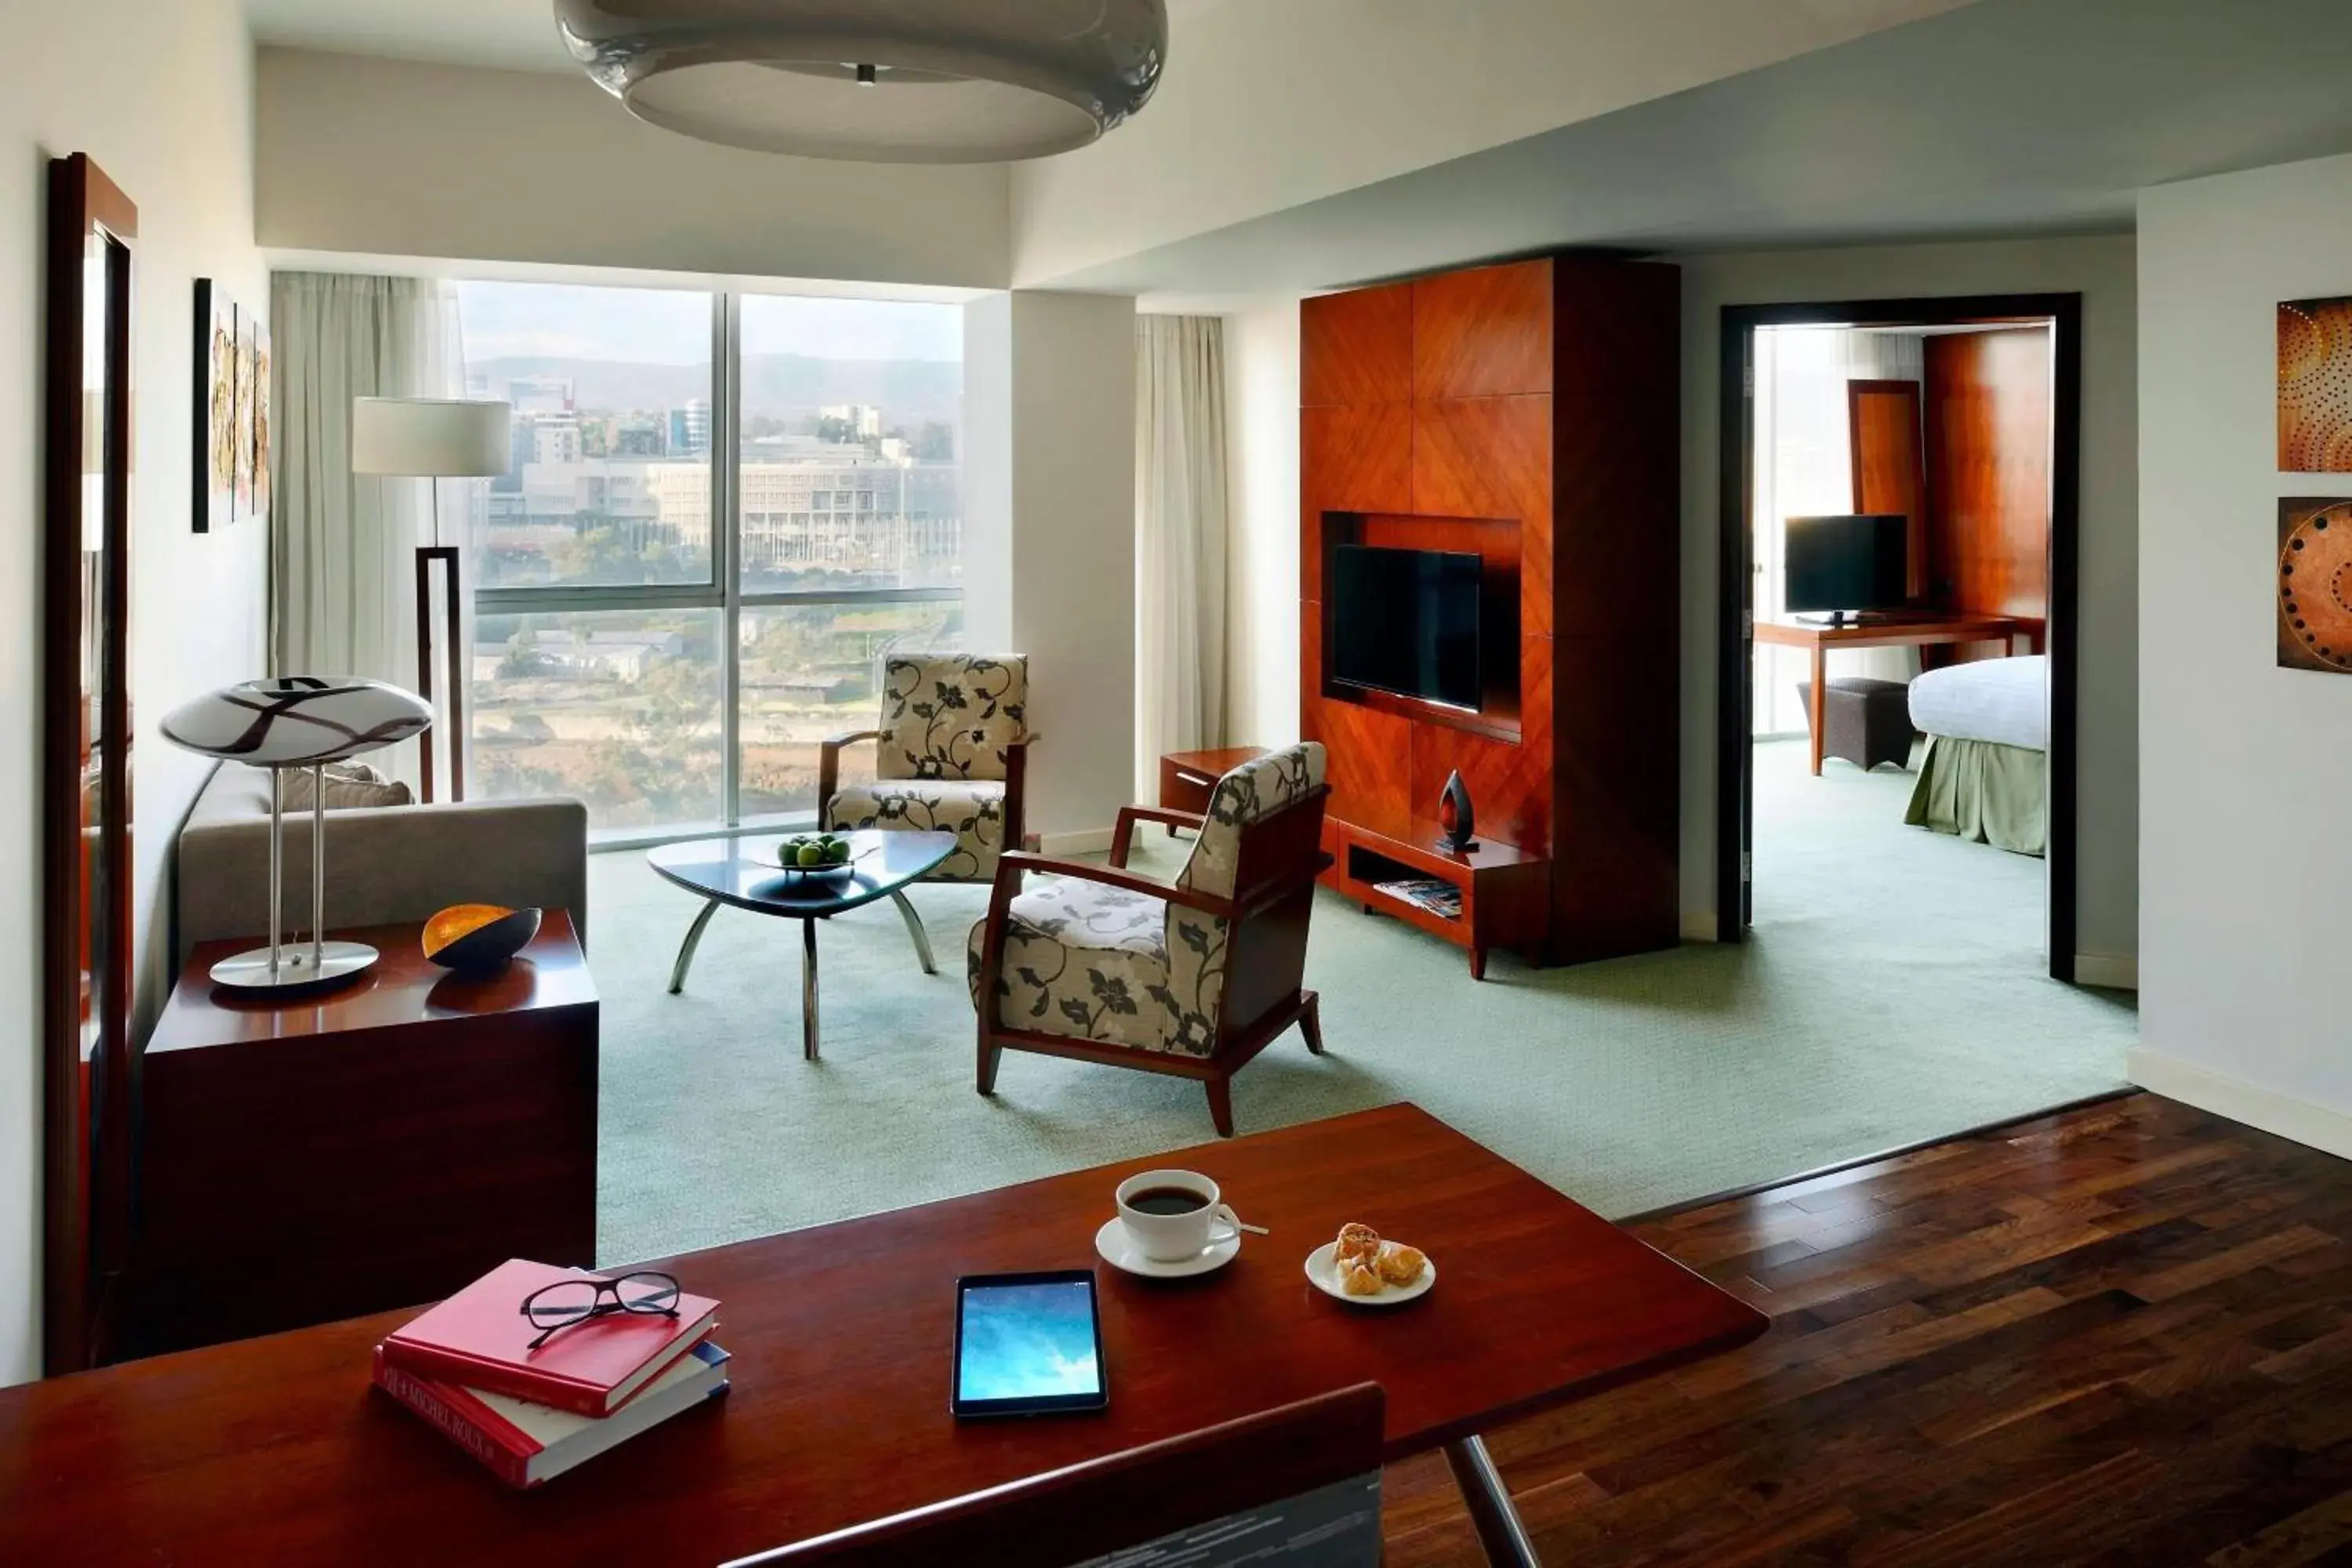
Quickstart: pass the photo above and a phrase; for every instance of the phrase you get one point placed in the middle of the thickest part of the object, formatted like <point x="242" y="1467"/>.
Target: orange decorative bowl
<point x="476" y="937"/>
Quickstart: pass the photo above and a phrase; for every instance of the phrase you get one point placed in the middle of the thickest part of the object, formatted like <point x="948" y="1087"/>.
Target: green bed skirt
<point x="1984" y="791"/>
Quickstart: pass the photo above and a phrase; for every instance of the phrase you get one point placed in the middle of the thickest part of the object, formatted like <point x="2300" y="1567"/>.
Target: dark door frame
<point x="1735" y="805"/>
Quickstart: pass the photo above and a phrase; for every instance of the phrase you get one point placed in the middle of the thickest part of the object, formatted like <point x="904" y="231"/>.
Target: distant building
<point x="689" y="429"/>
<point x="862" y="421"/>
<point x="640" y="435"/>
<point x="555" y="440"/>
<point x="540" y="394"/>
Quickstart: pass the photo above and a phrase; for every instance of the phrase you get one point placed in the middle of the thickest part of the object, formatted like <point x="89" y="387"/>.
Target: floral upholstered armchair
<point x="1193" y="978"/>
<point x="950" y="755"/>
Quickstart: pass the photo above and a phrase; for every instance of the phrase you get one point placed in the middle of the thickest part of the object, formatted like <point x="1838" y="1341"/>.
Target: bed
<point x="1985" y="774"/>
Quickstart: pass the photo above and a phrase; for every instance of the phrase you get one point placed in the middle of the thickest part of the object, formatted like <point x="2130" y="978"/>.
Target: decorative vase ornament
<point x="474" y="939"/>
<point x="1456" y="816"/>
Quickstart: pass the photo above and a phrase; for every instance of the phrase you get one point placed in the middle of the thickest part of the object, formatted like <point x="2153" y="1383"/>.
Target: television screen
<point x="1406" y="621"/>
<point x="1848" y="562"/>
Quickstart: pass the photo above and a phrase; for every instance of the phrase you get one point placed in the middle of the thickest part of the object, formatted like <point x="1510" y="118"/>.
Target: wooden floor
<point x="2118" y="1335"/>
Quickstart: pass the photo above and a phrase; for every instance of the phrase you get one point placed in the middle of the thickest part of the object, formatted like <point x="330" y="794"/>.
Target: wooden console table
<point x="362" y="1147"/>
<point x="1504" y="889"/>
<point x="1904" y="630"/>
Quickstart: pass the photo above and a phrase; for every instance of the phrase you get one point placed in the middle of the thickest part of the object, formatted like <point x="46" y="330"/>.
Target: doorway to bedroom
<point x="1899" y="510"/>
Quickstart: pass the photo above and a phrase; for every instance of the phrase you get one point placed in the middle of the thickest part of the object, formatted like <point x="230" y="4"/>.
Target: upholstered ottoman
<point x="1866" y="721"/>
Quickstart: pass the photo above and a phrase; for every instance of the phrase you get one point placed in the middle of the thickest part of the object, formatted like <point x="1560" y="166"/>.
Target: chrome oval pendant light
<point x="883" y="81"/>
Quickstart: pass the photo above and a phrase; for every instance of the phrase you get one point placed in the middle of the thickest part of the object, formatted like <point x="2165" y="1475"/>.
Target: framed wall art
<point x="2315" y="583"/>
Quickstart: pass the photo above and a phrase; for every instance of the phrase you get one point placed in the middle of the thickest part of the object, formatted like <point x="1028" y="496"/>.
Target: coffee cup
<point x="1173" y="1216"/>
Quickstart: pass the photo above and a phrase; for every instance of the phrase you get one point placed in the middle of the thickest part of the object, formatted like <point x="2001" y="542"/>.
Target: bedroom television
<point x="1843" y="568"/>
<point x="1407" y="622"/>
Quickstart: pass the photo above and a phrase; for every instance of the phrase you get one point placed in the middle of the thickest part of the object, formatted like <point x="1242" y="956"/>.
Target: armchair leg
<point x="1310" y="1020"/>
<point x="1220" y="1105"/>
<point x="990" y="1054"/>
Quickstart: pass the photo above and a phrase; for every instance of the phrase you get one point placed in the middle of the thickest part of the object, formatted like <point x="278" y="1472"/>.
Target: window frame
<point x="723" y="592"/>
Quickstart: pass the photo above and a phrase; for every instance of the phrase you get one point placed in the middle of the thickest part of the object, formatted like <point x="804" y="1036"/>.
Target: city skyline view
<point x="848" y="484"/>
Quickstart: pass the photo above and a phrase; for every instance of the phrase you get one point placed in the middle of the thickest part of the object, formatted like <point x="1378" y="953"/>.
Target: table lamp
<point x="434" y="438"/>
<point x="296" y="722"/>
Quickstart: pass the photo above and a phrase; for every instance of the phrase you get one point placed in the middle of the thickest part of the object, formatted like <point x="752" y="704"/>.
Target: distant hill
<point x="909" y="391"/>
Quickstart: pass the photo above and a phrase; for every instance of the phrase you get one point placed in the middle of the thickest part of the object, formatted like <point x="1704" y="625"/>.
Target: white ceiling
<point x="2004" y="117"/>
<point x="514" y="35"/>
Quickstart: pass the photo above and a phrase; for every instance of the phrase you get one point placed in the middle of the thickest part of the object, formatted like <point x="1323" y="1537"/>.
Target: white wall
<point x="1262" y="553"/>
<point x="1265" y="106"/>
<point x="395" y="158"/>
<point x="2102" y="271"/>
<point x="2243" y="862"/>
<point x="1049" y="538"/>
<point x="159" y="95"/>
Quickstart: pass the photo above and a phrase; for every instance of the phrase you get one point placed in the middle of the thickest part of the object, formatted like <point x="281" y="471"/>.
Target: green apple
<point x="809" y="856"/>
<point x="837" y="851"/>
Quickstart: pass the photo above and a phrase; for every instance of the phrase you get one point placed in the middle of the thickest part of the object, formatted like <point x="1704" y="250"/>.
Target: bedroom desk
<point x="1904" y="629"/>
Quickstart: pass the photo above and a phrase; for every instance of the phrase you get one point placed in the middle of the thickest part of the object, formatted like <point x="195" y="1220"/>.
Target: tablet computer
<point x="1028" y="1344"/>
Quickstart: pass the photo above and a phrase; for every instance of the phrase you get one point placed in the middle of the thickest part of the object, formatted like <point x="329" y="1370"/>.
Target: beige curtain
<point x="341" y="561"/>
<point x="1180" y="539"/>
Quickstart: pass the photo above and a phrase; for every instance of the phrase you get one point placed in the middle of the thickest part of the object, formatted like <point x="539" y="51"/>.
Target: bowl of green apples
<point x="816" y="857"/>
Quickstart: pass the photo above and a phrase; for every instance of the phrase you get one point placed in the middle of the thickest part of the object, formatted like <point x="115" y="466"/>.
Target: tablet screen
<point x="1027" y="1344"/>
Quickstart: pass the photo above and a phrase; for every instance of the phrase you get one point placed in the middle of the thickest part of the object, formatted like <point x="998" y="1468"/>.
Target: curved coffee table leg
<point x="685" y="952"/>
<point x="914" y="929"/>
<point x="808" y="989"/>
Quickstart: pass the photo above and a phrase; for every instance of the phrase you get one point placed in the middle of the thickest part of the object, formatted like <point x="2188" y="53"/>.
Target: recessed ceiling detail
<point x="880" y="81"/>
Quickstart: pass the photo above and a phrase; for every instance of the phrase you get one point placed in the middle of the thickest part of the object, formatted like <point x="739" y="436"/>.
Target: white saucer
<point x="1111" y="1242"/>
<point x="1325" y="1279"/>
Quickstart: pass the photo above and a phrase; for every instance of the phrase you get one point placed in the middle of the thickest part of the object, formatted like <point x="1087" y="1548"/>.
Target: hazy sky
<point x="662" y="327"/>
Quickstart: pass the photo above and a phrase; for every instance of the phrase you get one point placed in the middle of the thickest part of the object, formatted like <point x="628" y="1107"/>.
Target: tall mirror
<point x="88" y="1072"/>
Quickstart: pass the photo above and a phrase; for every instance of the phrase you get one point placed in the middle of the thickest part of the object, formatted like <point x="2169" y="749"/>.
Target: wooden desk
<point x="302" y="1160"/>
<point x="273" y="1450"/>
<point x="1905" y="630"/>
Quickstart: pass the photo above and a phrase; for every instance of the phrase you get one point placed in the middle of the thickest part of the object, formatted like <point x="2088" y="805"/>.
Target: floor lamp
<point x="434" y="438"/>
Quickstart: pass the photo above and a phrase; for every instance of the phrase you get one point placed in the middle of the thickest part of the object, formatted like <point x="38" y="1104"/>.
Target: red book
<point x="525" y="1444"/>
<point x="479" y="1337"/>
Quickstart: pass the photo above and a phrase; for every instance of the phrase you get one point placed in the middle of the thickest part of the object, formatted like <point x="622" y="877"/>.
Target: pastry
<point x="1401" y="1265"/>
<point x="1357" y="1244"/>
<point x="1358" y="1280"/>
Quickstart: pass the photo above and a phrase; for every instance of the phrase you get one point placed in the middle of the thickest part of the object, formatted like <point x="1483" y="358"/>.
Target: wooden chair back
<point x="1265" y="955"/>
<point x="1315" y="1463"/>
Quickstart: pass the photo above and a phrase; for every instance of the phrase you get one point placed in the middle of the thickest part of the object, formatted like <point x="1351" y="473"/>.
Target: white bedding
<point x="2001" y="699"/>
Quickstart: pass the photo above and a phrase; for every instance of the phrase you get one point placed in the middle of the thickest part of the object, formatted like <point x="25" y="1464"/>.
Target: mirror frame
<point x="87" y="1093"/>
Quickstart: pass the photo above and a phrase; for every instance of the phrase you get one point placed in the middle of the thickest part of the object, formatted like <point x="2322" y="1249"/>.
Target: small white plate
<point x="1118" y="1250"/>
<point x="1325" y="1279"/>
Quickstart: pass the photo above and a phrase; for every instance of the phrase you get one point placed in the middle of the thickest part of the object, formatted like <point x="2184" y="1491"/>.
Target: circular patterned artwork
<point x="2315" y="387"/>
<point x="2315" y="576"/>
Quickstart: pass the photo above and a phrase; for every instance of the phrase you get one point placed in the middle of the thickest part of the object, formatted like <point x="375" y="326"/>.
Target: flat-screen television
<point x="1406" y="622"/>
<point x="1847" y="564"/>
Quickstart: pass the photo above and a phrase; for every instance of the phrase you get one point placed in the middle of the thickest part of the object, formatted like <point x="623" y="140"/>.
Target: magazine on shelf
<point x="1437" y="896"/>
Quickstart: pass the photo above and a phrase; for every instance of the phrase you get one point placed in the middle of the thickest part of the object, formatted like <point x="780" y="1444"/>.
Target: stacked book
<point x="466" y="1367"/>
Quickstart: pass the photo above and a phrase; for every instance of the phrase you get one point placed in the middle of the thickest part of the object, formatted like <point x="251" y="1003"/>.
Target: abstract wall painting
<point x="214" y="434"/>
<point x="232" y="430"/>
<point x="2315" y="583"/>
<point x="242" y="435"/>
<point x="253" y="411"/>
<point x="2315" y="387"/>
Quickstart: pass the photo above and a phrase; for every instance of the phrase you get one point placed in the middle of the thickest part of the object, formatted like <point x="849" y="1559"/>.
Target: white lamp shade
<point x="295" y="719"/>
<point x="424" y="437"/>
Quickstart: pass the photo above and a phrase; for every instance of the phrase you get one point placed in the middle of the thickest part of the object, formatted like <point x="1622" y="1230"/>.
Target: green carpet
<point x="1893" y="993"/>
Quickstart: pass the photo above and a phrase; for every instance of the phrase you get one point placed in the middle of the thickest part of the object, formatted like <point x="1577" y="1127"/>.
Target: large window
<point x="720" y="511"/>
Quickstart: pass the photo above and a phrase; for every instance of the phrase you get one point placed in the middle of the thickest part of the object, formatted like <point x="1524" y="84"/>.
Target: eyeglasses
<point x="553" y="1308"/>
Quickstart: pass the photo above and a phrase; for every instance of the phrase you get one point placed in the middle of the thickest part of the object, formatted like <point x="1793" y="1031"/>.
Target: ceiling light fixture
<point x="883" y="82"/>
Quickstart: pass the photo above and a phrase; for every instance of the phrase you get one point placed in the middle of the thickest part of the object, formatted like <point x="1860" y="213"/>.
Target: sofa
<point x="386" y="864"/>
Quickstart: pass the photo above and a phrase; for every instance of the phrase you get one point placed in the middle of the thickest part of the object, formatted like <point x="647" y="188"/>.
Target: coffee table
<point x="268" y="1450"/>
<point x="744" y="874"/>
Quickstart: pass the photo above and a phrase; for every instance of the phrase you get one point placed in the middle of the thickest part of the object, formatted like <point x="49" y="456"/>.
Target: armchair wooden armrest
<point x="1128" y="815"/>
<point x="828" y="767"/>
<point x="1017" y="791"/>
